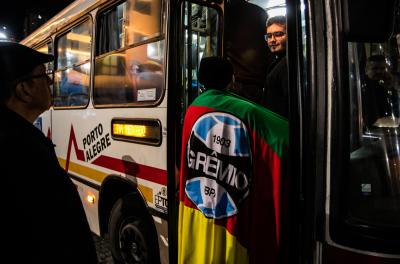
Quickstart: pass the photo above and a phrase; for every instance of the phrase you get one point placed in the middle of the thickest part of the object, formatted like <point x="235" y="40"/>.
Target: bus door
<point x="199" y="34"/>
<point x="344" y="67"/>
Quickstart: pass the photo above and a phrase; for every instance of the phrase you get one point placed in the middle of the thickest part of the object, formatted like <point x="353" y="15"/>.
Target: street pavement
<point x="103" y="250"/>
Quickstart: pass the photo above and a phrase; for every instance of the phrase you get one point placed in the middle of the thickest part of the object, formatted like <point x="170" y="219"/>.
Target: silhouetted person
<point x="231" y="180"/>
<point x="43" y="218"/>
<point x="245" y="47"/>
<point x="379" y="99"/>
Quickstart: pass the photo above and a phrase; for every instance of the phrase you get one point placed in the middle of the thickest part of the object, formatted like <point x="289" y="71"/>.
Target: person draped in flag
<point x="230" y="187"/>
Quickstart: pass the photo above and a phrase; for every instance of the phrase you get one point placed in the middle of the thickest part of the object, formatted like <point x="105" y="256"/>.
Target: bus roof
<point x="68" y="14"/>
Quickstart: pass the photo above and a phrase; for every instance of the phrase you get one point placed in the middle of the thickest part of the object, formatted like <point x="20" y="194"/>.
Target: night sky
<point x="13" y="14"/>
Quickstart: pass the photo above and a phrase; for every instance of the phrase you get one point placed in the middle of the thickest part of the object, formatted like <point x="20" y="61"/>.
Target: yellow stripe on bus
<point x="147" y="192"/>
<point x="100" y="176"/>
<point x="83" y="170"/>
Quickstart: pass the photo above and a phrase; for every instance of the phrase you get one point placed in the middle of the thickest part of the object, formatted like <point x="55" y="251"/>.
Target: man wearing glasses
<point x="275" y="95"/>
<point x="43" y="216"/>
<point x="276" y="34"/>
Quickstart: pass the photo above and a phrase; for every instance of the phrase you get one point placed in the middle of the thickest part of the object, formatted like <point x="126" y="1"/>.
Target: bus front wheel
<point x="131" y="238"/>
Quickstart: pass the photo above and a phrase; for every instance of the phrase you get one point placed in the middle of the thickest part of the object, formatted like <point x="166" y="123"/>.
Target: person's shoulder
<point x="10" y="126"/>
<point x="265" y="114"/>
<point x="208" y="93"/>
<point x="267" y="124"/>
<point x="245" y="7"/>
<point x="264" y="118"/>
<point x="271" y="128"/>
<point x="255" y="110"/>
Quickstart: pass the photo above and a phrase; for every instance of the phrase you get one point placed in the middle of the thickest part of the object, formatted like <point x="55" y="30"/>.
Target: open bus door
<point x="344" y="169"/>
<point x="195" y="32"/>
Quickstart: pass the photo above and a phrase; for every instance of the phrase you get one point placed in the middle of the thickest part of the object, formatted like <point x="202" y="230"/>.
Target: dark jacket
<point x="276" y="94"/>
<point x="42" y="220"/>
<point x="246" y="47"/>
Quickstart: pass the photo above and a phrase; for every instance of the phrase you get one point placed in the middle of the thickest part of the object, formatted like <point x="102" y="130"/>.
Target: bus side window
<point x="129" y="64"/>
<point x="48" y="49"/>
<point x="110" y="30"/>
<point x="71" y="80"/>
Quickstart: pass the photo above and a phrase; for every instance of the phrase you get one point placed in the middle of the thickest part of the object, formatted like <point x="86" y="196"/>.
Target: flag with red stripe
<point x="230" y="181"/>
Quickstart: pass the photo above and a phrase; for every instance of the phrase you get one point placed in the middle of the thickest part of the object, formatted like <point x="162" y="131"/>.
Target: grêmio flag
<point x="230" y="181"/>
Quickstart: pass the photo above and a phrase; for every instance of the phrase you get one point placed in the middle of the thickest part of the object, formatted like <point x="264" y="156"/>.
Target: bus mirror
<point x="368" y="21"/>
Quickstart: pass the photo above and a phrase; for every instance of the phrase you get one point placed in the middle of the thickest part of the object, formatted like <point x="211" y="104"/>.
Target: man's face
<point x="376" y="70"/>
<point x="276" y="37"/>
<point x="39" y="84"/>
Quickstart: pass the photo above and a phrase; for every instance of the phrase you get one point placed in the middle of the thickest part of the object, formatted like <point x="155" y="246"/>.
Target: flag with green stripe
<point x="230" y="181"/>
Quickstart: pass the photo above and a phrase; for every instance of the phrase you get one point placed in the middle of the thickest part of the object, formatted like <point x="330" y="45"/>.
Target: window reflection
<point x="134" y="75"/>
<point x="373" y="186"/>
<point x="128" y="23"/>
<point x="71" y="86"/>
<point x="71" y="80"/>
<point x="74" y="47"/>
<point x="380" y="98"/>
<point x="143" y="20"/>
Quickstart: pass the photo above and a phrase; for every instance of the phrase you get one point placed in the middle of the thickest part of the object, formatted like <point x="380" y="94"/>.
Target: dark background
<point x="20" y="18"/>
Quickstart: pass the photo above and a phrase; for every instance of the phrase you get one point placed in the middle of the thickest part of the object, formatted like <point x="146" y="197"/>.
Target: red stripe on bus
<point x="79" y="153"/>
<point x="132" y="168"/>
<point x="49" y="133"/>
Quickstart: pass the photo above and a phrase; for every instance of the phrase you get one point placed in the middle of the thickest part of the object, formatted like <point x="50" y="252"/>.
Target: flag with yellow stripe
<point x="230" y="181"/>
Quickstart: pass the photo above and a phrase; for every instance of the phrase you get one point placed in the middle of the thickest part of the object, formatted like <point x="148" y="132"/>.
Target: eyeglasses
<point x="277" y="34"/>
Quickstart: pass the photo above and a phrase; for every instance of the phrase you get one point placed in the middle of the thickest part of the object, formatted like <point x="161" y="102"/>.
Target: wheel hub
<point x="132" y="243"/>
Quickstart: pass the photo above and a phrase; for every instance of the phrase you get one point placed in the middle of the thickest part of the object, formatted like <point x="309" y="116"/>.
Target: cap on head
<point x="17" y="60"/>
<point x="215" y="72"/>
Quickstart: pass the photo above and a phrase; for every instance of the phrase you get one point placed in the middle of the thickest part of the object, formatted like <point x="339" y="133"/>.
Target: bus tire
<point x="131" y="236"/>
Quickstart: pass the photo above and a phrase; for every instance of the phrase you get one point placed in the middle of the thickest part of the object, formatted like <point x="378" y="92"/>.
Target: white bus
<point x="125" y="71"/>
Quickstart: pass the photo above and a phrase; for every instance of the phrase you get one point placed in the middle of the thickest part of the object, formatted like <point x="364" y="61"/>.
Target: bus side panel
<point x="87" y="193"/>
<point x="86" y="149"/>
<point x="43" y="123"/>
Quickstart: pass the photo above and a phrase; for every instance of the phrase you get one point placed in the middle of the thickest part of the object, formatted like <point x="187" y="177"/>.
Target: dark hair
<point x="215" y="72"/>
<point x="281" y="20"/>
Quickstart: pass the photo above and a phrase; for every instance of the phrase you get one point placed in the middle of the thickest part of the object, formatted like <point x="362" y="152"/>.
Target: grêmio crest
<point x="219" y="164"/>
